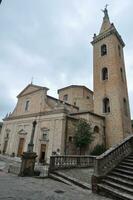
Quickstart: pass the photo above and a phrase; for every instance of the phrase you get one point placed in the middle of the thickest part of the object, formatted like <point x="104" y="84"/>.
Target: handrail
<point x="108" y="160"/>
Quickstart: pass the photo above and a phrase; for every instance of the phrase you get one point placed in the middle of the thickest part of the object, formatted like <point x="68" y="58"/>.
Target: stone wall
<point x="79" y="96"/>
<point x="94" y="121"/>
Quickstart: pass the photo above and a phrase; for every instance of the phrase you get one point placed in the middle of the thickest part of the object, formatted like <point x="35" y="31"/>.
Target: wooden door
<point x="20" y="147"/>
<point x="42" y="153"/>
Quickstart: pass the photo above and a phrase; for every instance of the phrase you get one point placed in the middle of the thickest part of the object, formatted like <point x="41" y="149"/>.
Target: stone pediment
<point x="22" y="132"/>
<point x="31" y="89"/>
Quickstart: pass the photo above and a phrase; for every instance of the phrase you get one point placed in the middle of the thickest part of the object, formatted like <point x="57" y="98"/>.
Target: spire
<point x="106" y="22"/>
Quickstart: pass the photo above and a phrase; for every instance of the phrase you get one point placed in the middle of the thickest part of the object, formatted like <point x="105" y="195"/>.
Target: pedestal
<point x="28" y="164"/>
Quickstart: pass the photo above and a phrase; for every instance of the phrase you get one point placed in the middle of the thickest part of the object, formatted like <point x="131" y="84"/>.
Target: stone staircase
<point x="119" y="182"/>
<point x="113" y="171"/>
<point x="69" y="179"/>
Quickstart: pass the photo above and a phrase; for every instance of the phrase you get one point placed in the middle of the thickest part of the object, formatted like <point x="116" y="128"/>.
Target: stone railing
<point x="67" y="162"/>
<point x="108" y="160"/>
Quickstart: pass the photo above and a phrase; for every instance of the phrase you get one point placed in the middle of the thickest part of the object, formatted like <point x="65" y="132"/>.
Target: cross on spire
<point x="106" y="22"/>
<point x="105" y="11"/>
<point x="32" y="79"/>
<point x="106" y="6"/>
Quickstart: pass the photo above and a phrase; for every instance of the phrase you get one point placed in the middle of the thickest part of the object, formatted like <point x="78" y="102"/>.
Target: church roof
<point x="58" y="100"/>
<point x="86" y="112"/>
<point x="31" y="88"/>
<point x="75" y="86"/>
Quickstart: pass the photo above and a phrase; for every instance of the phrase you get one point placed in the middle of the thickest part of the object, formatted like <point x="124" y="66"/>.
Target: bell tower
<point x="110" y="85"/>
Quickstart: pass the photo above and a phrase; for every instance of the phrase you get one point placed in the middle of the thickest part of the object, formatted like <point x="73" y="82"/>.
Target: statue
<point x="105" y="11"/>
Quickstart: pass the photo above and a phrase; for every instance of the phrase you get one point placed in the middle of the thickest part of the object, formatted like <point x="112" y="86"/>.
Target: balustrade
<point x="65" y="162"/>
<point x="108" y="160"/>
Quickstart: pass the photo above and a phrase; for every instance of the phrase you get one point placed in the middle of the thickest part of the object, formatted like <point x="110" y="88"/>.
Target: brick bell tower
<point x="110" y="85"/>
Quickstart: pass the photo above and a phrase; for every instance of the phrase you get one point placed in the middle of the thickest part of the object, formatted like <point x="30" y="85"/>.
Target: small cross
<point x="32" y="78"/>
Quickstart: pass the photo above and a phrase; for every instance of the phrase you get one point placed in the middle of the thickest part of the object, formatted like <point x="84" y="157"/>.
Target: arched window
<point x="96" y="129"/>
<point x="27" y="103"/>
<point x="104" y="73"/>
<point x="103" y="49"/>
<point x="106" y="105"/>
<point x="125" y="106"/>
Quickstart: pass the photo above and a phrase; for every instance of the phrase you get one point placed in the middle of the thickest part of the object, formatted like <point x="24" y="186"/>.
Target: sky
<point x="49" y="40"/>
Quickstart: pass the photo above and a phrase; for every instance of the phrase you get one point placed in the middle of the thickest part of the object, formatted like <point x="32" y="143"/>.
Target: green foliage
<point x="98" y="150"/>
<point x="83" y="134"/>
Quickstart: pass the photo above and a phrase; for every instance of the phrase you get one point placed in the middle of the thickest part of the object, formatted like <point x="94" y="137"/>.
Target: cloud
<point x="47" y="38"/>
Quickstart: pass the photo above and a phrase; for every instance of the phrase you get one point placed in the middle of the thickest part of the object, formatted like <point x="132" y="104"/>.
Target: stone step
<point x="119" y="174"/>
<point x="124" y="171"/>
<point x="58" y="178"/>
<point x="73" y="180"/>
<point x="127" y="163"/>
<point x="131" y="156"/>
<point x="115" y="192"/>
<point x="128" y="160"/>
<point x="120" y="180"/>
<point x="118" y="186"/>
<point x="125" y="167"/>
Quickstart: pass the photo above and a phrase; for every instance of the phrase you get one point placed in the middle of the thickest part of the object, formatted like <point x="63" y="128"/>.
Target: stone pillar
<point x="29" y="157"/>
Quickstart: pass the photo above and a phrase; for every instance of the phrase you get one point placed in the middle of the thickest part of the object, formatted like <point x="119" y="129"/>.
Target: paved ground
<point x="13" y="187"/>
<point x="83" y="174"/>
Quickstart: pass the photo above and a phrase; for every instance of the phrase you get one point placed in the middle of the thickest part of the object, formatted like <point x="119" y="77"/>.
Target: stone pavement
<point x="82" y="174"/>
<point x="24" y="188"/>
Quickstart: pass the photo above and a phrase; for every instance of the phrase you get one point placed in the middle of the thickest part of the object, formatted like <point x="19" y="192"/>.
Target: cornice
<point x="36" y="114"/>
<point x="107" y="33"/>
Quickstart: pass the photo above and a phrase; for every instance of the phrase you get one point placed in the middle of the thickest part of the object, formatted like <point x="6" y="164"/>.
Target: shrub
<point x="98" y="150"/>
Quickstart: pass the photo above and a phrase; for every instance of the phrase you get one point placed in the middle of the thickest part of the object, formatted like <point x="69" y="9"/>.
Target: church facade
<point x="106" y="108"/>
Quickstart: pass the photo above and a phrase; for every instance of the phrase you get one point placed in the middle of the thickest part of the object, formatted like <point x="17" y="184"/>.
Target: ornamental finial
<point x="105" y="11"/>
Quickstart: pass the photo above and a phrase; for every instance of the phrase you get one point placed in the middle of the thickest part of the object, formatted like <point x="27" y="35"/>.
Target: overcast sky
<point x="50" y="41"/>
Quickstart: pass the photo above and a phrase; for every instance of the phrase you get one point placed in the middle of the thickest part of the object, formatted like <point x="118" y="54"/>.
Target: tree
<point x="83" y="134"/>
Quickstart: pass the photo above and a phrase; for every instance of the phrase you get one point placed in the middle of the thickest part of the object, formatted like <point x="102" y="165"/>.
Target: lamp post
<point x="28" y="158"/>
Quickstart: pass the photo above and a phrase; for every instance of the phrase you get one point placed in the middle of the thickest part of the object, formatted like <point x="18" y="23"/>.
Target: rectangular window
<point x="65" y="97"/>
<point x="45" y="134"/>
<point x="27" y="105"/>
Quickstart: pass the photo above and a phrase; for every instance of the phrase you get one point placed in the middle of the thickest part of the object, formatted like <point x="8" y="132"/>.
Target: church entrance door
<point x="20" y="147"/>
<point x="42" y="153"/>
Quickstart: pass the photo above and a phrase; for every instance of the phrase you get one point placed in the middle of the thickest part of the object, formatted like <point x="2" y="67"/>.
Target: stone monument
<point x="28" y="158"/>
